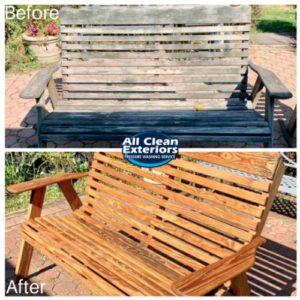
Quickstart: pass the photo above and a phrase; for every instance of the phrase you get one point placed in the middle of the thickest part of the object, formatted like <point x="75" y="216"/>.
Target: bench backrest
<point x="218" y="199"/>
<point x="156" y="53"/>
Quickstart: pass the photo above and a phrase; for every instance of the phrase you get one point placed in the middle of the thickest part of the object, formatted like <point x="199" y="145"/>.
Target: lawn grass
<point x="277" y="19"/>
<point x="17" y="202"/>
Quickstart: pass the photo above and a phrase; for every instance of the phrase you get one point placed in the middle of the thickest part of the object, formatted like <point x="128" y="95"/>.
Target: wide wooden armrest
<point x="38" y="83"/>
<point x="272" y="83"/>
<point x="42" y="182"/>
<point x="207" y="279"/>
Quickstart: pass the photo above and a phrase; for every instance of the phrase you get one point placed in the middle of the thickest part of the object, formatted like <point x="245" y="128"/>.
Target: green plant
<point x="24" y="166"/>
<point x="274" y="18"/>
<point x="18" y="56"/>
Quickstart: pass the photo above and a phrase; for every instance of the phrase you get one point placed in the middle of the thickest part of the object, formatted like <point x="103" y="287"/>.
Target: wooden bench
<point x="181" y="70"/>
<point x="184" y="229"/>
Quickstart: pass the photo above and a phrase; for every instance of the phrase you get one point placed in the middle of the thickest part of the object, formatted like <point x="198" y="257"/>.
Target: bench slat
<point x="175" y="14"/>
<point x="151" y="29"/>
<point x="156" y="71"/>
<point x="166" y="267"/>
<point x="128" y="95"/>
<point x="89" y="52"/>
<point x="154" y="87"/>
<point x="216" y="212"/>
<point x="260" y="163"/>
<point x="118" y="274"/>
<point x="150" y="63"/>
<point x="127" y="229"/>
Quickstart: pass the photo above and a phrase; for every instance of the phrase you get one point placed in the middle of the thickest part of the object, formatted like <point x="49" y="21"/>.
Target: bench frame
<point x="115" y="16"/>
<point x="43" y="84"/>
<point x="232" y="268"/>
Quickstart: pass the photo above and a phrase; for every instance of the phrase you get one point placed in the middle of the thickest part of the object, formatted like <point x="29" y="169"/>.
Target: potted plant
<point x="44" y="41"/>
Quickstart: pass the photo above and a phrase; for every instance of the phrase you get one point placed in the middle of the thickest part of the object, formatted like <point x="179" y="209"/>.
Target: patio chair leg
<point x="24" y="259"/>
<point x="240" y="286"/>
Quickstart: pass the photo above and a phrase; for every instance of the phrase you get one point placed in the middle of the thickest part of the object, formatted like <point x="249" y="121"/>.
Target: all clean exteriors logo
<point x="150" y="149"/>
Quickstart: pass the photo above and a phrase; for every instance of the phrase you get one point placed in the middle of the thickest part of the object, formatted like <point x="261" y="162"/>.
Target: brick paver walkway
<point x="21" y="116"/>
<point x="274" y="272"/>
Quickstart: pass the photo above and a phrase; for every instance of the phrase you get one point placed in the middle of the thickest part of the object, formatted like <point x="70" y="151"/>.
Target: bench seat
<point x="248" y="126"/>
<point x="115" y="260"/>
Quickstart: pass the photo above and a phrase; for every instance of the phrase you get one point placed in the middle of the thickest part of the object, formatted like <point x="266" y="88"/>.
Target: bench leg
<point x="41" y="144"/>
<point x="268" y="144"/>
<point x="34" y="210"/>
<point x="240" y="286"/>
<point x="24" y="259"/>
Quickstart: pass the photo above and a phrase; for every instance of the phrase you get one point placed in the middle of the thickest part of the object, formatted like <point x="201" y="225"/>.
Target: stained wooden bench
<point x="181" y="70"/>
<point x="184" y="229"/>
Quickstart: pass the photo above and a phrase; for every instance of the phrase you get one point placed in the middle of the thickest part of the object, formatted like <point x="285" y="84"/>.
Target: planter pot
<point x="46" y="49"/>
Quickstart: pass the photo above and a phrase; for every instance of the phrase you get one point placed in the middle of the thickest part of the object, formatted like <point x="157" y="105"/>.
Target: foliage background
<point x="24" y="166"/>
<point x="18" y="57"/>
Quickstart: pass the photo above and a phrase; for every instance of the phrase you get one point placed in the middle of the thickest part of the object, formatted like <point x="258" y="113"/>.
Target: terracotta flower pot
<point x="46" y="48"/>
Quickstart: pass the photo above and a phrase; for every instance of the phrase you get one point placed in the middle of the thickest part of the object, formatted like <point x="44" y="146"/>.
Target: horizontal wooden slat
<point x="152" y="29"/>
<point x="129" y="236"/>
<point x="119" y="138"/>
<point x="126" y="95"/>
<point x="176" y="14"/>
<point x="163" y="71"/>
<point x="156" y="106"/>
<point x="72" y="52"/>
<point x="88" y="278"/>
<point x="120" y="254"/>
<point x="202" y="181"/>
<point x="172" y="130"/>
<point x="261" y="164"/>
<point x="148" y="63"/>
<point x="145" y="40"/>
<point x="253" y="183"/>
<point x="161" y="179"/>
<point x="153" y="55"/>
<point x="107" y="265"/>
<point x="153" y="87"/>
<point x="152" y="79"/>
<point x="216" y="212"/>
<point x="163" y="249"/>
<point x="130" y="216"/>
<point x="194" y="44"/>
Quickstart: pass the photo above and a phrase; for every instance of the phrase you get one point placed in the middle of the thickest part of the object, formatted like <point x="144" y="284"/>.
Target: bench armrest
<point x="38" y="83"/>
<point x="272" y="83"/>
<point x="207" y="279"/>
<point x="43" y="182"/>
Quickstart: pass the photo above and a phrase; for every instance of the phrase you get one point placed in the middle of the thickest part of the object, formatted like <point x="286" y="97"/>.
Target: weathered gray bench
<point x="181" y="70"/>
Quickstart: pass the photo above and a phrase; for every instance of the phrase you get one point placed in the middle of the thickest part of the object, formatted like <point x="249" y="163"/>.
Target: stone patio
<point x="274" y="273"/>
<point x="21" y="115"/>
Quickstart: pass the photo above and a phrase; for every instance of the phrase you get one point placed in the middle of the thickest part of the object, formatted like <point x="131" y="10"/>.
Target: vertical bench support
<point x="26" y="250"/>
<point x="240" y="286"/>
<point x="269" y="116"/>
